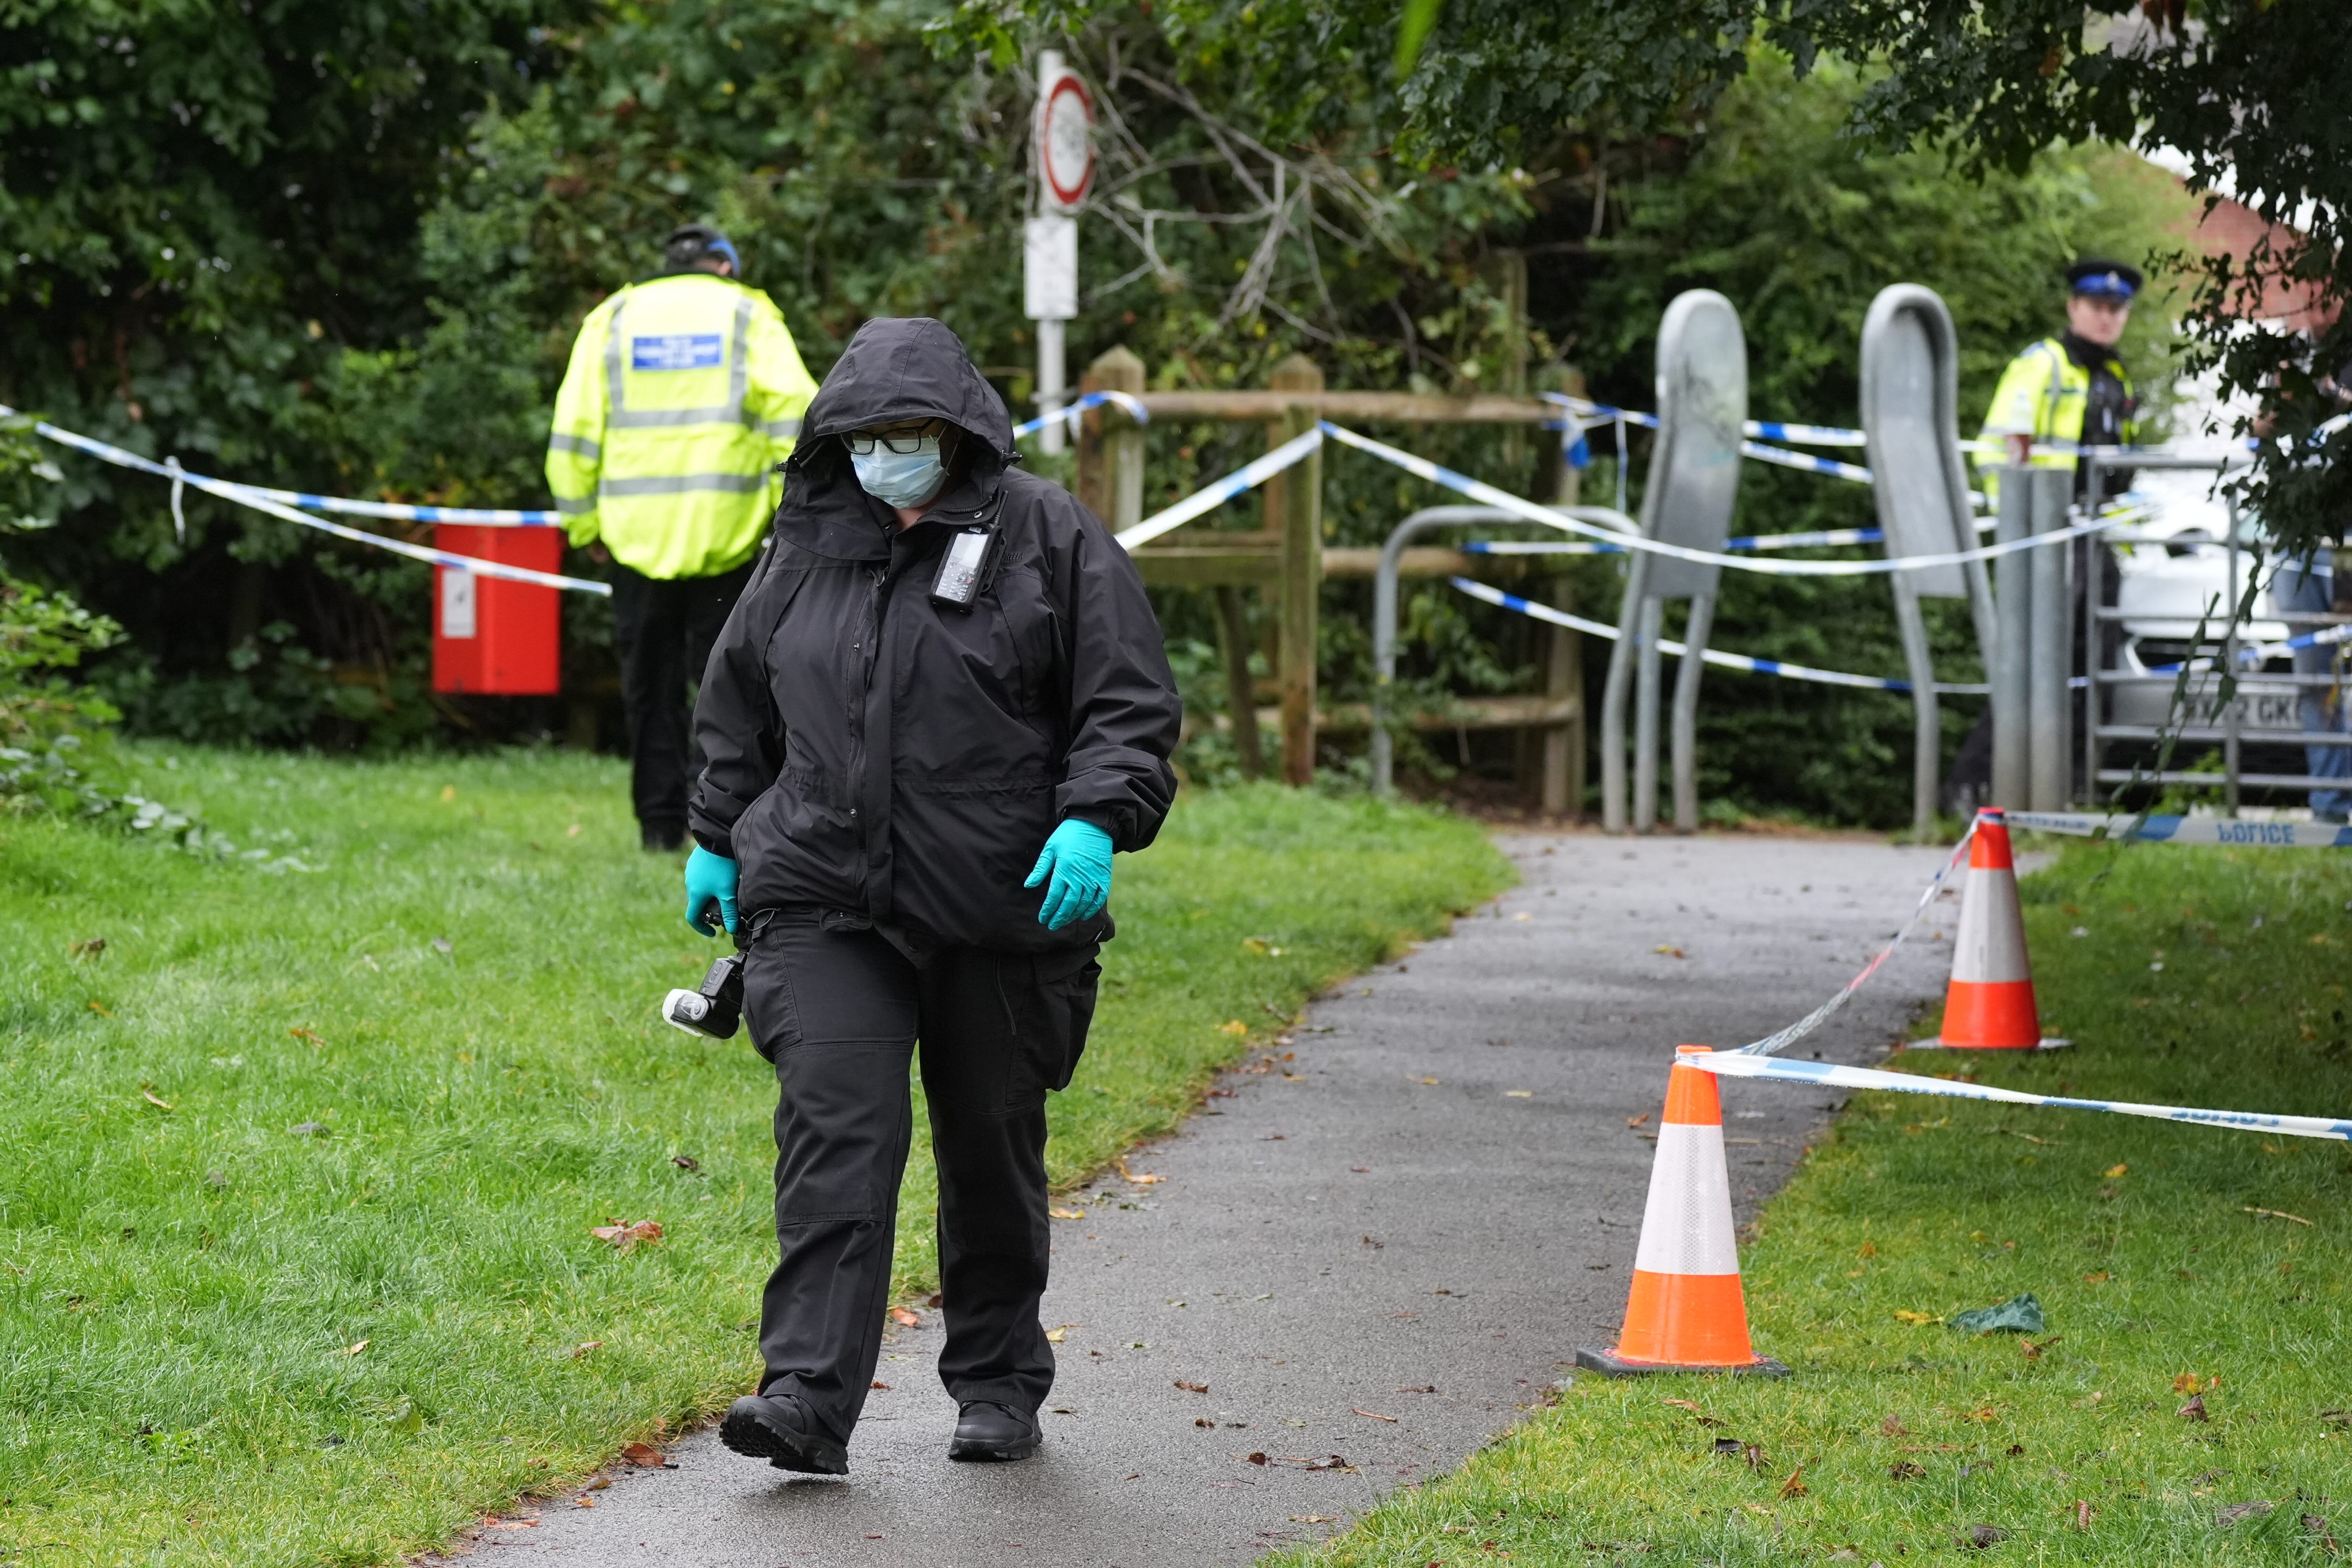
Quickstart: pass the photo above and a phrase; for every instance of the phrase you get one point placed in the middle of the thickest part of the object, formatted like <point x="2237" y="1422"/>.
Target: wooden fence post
<point x="1110" y="444"/>
<point x="1295" y="507"/>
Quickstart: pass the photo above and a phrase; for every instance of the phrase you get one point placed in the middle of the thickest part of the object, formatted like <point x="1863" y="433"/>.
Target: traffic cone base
<point x="1686" y="1311"/>
<point x="1991" y="1006"/>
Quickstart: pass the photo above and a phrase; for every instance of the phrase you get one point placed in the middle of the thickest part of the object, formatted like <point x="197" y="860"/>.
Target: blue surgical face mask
<point x="900" y="479"/>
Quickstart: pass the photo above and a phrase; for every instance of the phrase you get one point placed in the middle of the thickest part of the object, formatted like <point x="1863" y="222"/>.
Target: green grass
<point x="181" y="1289"/>
<point x="2134" y="1235"/>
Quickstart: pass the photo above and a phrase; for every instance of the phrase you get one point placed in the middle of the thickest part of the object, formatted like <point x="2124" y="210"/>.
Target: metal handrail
<point x="1384" y="606"/>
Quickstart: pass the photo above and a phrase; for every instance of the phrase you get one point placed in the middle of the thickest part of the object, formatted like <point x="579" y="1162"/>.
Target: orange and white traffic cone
<point x="1991" y="1006"/>
<point x="1685" y="1312"/>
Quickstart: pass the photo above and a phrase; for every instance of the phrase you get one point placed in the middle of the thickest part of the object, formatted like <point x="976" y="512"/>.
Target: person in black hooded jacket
<point x="941" y="704"/>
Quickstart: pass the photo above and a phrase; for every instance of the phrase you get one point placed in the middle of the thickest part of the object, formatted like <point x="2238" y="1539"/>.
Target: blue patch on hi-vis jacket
<point x="675" y="351"/>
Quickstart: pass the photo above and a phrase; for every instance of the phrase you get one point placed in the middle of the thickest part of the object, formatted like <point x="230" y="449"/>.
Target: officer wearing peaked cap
<point x="2072" y="391"/>
<point x="684" y="395"/>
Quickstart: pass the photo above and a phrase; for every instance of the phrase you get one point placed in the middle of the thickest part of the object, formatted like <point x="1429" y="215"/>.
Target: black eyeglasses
<point x="903" y="442"/>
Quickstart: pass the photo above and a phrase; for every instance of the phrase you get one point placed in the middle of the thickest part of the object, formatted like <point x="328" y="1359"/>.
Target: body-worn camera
<point x="715" y="1007"/>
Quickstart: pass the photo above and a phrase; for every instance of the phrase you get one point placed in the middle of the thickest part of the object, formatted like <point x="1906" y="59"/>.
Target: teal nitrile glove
<point x="708" y="878"/>
<point x="1078" y="856"/>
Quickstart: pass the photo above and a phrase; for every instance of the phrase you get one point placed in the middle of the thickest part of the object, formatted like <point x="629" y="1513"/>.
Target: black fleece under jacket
<point x="876" y="756"/>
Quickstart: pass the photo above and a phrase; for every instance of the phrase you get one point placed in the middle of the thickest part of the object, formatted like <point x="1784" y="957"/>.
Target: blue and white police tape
<point x="2124" y="827"/>
<point x="1820" y="1075"/>
<point x="1804" y="462"/>
<point x="1126" y="402"/>
<point x="2254" y="653"/>
<point x="1823" y="539"/>
<point x="1489" y="495"/>
<point x="169" y="469"/>
<point x="1214" y="494"/>
<point x="1782" y="1038"/>
<point x="1712" y="656"/>
<point x="261" y="501"/>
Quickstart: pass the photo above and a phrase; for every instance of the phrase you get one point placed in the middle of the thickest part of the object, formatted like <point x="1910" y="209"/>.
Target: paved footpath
<point x="1379" y="1248"/>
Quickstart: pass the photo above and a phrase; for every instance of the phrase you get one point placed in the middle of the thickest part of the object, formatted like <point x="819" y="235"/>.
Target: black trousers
<point x="662" y="630"/>
<point x="842" y="1012"/>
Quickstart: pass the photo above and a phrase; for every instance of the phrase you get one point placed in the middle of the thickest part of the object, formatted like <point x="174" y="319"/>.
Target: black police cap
<point x="2105" y="278"/>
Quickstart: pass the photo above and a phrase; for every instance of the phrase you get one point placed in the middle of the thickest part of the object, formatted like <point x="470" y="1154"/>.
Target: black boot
<point x="987" y="1430"/>
<point x="778" y="1427"/>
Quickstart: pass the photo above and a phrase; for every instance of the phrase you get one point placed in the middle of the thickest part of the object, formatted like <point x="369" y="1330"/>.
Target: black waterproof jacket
<point x="872" y="755"/>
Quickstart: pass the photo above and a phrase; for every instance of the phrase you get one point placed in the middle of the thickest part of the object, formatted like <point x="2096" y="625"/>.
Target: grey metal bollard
<point x="1910" y="380"/>
<point x="2012" y="650"/>
<point x="2049" y="703"/>
<point x="1694" y="484"/>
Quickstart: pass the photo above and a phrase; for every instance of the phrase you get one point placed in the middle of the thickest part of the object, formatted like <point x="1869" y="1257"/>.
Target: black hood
<point x="895" y="368"/>
<point x="910" y="367"/>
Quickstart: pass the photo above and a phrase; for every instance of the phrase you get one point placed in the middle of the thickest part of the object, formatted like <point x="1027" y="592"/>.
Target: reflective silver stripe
<point x="580" y="446"/>
<point x="574" y="508"/>
<point x="739" y="371"/>
<point x="679" y="484"/>
<point x="612" y="403"/>
<point x="782" y="429"/>
<point x="651" y="418"/>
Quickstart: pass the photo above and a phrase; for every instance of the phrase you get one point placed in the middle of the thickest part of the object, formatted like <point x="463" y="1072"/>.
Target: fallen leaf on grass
<point x="309" y="1129"/>
<point x="2194" y="1410"/>
<point x="1232" y="1027"/>
<point x="1192" y="1387"/>
<point x="2097" y="1277"/>
<point x="101" y="1011"/>
<point x="1261" y="947"/>
<point x="2274" y="1214"/>
<point x="573" y="831"/>
<point x="1894" y="1427"/>
<point x="149" y="1096"/>
<point x="354" y="1350"/>
<point x="1904" y="1470"/>
<point x="2318" y="1527"/>
<point x="645" y="1456"/>
<point x="1792" y="1487"/>
<point x="2084" y="1514"/>
<point x="311" y="1034"/>
<point x="441" y="945"/>
<point x="903" y="1318"/>
<point x="580" y="1350"/>
<point x="2034" y="1352"/>
<point x="1904" y="1316"/>
<point x="626" y="1236"/>
<point x="2186" y="1383"/>
<point x="2238" y="1511"/>
<point x="2112" y="1172"/>
<point x="687" y="1163"/>
<point x="90" y="947"/>
<point x="1979" y="1536"/>
<point x="1728" y="1446"/>
<point x="1371" y="1415"/>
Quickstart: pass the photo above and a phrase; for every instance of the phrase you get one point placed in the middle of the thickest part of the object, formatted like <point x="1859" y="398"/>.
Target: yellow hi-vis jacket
<point x="682" y="396"/>
<point x="2043" y="393"/>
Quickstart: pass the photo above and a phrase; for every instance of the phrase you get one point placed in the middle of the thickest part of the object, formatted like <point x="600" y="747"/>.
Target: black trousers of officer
<point x="663" y="629"/>
<point x="842" y="1012"/>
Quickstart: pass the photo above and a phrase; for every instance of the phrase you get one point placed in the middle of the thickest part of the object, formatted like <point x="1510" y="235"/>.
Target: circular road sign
<point x="1066" y="149"/>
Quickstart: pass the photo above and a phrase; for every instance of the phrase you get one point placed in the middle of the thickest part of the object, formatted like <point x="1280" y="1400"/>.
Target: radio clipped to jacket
<point x="961" y="567"/>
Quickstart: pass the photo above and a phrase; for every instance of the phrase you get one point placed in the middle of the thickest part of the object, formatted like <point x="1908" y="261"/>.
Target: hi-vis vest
<point x="682" y="396"/>
<point x="2043" y="393"/>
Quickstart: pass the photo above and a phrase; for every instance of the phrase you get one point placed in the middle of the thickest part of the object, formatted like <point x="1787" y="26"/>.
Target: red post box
<point x="493" y="635"/>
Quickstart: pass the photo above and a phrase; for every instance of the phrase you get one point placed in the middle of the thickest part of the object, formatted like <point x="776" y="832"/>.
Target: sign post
<point x="1065" y="156"/>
